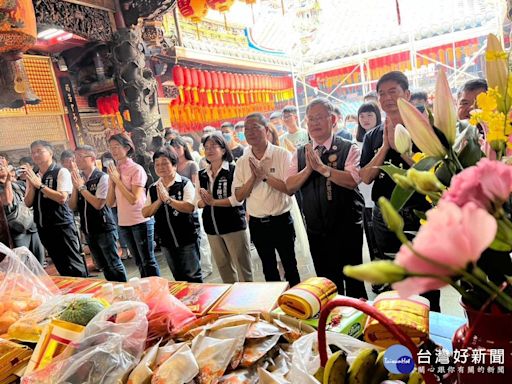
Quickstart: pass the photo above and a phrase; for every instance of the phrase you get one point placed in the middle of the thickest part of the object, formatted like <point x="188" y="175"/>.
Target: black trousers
<point x="63" y="246"/>
<point x="389" y="245"/>
<point x="275" y="233"/>
<point x="332" y="251"/>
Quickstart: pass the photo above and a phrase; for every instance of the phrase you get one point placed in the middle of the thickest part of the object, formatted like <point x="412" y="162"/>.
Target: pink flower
<point x="487" y="182"/>
<point x="453" y="236"/>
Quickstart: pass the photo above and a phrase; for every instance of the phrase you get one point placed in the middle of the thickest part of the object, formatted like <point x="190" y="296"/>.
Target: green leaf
<point x="470" y="154"/>
<point x="426" y="164"/>
<point x="442" y="138"/>
<point x="391" y="169"/>
<point x="499" y="245"/>
<point x="400" y="196"/>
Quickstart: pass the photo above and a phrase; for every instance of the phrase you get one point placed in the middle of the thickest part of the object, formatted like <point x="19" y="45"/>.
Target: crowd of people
<point x="260" y="181"/>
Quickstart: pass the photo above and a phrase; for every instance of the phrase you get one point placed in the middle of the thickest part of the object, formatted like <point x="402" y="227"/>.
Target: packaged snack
<point x="238" y="333"/>
<point x="213" y="357"/>
<point x="165" y="352"/>
<point x="255" y="349"/>
<point x="261" y="329"/>
<point x="231" y="321"/>
<point x="143" y="371"/>
<point x="306" y="299"/>
<point x="266" y="377"/>
<point x="180" y="368"/>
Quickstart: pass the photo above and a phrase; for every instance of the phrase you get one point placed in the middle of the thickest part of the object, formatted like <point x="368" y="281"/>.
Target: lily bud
<point x="445" y="115"/>
<point x="425" y="181"/>
<point x="403" y="142"/>
<point x="402" y="181"/>
<point x="496" y="68"/>
<point x="376" y="272"/>
<point x="420" y="129"/>
<point x="391" y="217"/>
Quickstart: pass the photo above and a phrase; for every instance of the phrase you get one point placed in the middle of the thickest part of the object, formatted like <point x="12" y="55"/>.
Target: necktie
<point x="320" y="149"/>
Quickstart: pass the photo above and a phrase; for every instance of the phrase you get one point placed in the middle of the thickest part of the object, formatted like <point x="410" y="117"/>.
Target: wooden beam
<point x="106" y="5"/>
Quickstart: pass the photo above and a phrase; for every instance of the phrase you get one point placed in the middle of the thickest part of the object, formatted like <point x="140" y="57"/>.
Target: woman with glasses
<point x="171" y="201"/>
<point x="223" y="216"/>
<point x="126" y="190"/>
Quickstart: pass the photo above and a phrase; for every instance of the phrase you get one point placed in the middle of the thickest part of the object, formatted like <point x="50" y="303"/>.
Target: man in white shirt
<point x="259" y="179"/>
<point x="48" y="192"/>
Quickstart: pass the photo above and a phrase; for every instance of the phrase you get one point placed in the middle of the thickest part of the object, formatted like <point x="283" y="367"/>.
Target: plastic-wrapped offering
<point x="213" y="357"/>
<point x="238" y="333"/>
<point x="111" y="346"/>
<point x="180" y="368"/>
<point x="255" y="349"/>
<point x="240" y="376"/>
<point x="262" y="329"/>
<point x="144" y="370"/>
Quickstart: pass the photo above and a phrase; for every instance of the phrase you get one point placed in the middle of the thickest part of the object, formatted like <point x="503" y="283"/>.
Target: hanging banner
<point x="71" y="105"/>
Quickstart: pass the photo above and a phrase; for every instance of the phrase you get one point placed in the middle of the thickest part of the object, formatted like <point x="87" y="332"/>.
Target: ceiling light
<point x="46" y="32"/>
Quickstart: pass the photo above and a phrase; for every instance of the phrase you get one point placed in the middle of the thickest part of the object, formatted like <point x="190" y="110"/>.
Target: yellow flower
<point x="486" y="101"/>
<point x="418" y="156"/>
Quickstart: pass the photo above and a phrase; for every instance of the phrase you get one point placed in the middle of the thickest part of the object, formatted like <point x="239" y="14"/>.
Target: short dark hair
<point x="227" y="124"/>
<point x="26" y="160"/>
<point x="86" y="148"/>
<point x="337" y="111"/>
<point x="239" y="125"/>
<point x="124" y="140"/>
<point x="5" y="156"/>
<point x="473" y="85"/>
<point x="169" y="131"/>
<point x="258" y="116"/>
<point x="397" y="77"/>
<point x="290" y="109"/>
<point x="219" y="140"/>
<point x="371" y="94"/>
<point x="419" y="95"/>
<point x="67" y="154"/>
<point x="167" y="153"/>
<point x="42" y="143"/>
<point x="179" y="141"/>
<point x="367" y="107"/>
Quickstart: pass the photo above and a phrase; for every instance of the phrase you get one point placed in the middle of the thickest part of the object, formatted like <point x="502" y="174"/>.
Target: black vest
<point x="221" y="220"/>
<point x="48" y="213"/>
<point x="94" y="221"/>
<point x="343" y="211"/>
<point x="175" y="229"/>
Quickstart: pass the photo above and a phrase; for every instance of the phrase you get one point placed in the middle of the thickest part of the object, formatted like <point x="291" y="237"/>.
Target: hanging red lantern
<point x="202" y="88"/>
<point x="228" y="96"/>
<point x="187" y="86"/>
<point x="194" y="10"/>
<point x="100" y="105"/>
<point x="215" y="87"/>
<point x="208" y="87"/>
<point x="194" y="81"/>
<point x="222" y="88"/>
<point x="179" y="80"/>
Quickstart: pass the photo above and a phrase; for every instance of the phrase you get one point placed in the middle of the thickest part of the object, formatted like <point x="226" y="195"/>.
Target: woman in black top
<point x="171" y="201"/>
<point x="223" y="216"/>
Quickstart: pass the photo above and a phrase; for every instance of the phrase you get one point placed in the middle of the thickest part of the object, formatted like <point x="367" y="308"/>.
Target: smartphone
<point x="19" y="172"/>
<point x="108" y="162"/>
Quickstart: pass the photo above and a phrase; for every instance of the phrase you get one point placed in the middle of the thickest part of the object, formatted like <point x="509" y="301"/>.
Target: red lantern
<point x="202" y="87"/>
<point x="100" y="105"/>
<point x="187" y="85"/>
<point x="215" y="87"/>
<point x="222" y="88"/>
<point x="208" y="86"/>
<point x="228" y="97"/>
<point x="194" y="84"/>
<point x="179" y="80"/>
<point x="114" y="100"/>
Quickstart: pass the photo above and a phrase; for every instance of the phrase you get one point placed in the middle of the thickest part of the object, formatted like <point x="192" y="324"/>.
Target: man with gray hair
<point x="90" y="187"/>
<point x="326" y="171"/>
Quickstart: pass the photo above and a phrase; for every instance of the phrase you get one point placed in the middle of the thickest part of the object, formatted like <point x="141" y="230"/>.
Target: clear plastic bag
<point x="24" y="285"/>
<point x="111" y="347"/>
<point x="31" y="324"/>
<point x="213" y="357"/>
<point x="306" y="360"/>
<point x="180" y="368"/>
<point x="167" y="315"/>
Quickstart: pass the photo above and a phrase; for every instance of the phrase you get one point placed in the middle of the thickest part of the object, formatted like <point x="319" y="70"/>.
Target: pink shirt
<point x="351" y="163"/>
<point x="132" y="174"/>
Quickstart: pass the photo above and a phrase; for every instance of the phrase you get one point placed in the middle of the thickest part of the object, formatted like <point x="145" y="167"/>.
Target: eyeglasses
<point x="316" y="119"/>
<point x="83" y="156"/>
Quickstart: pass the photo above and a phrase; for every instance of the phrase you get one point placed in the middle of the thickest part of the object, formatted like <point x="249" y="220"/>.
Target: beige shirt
<point x="265" y="200"/>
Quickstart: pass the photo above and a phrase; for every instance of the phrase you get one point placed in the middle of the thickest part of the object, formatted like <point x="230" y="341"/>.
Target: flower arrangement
<point x="466" y="238"/>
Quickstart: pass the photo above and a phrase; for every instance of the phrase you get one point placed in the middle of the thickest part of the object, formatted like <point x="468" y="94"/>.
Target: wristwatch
<point x="42" y="186"/>
<point x="327" y="174"/>
<point x="168" y="201"/>
<point x="82" y="188"/>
